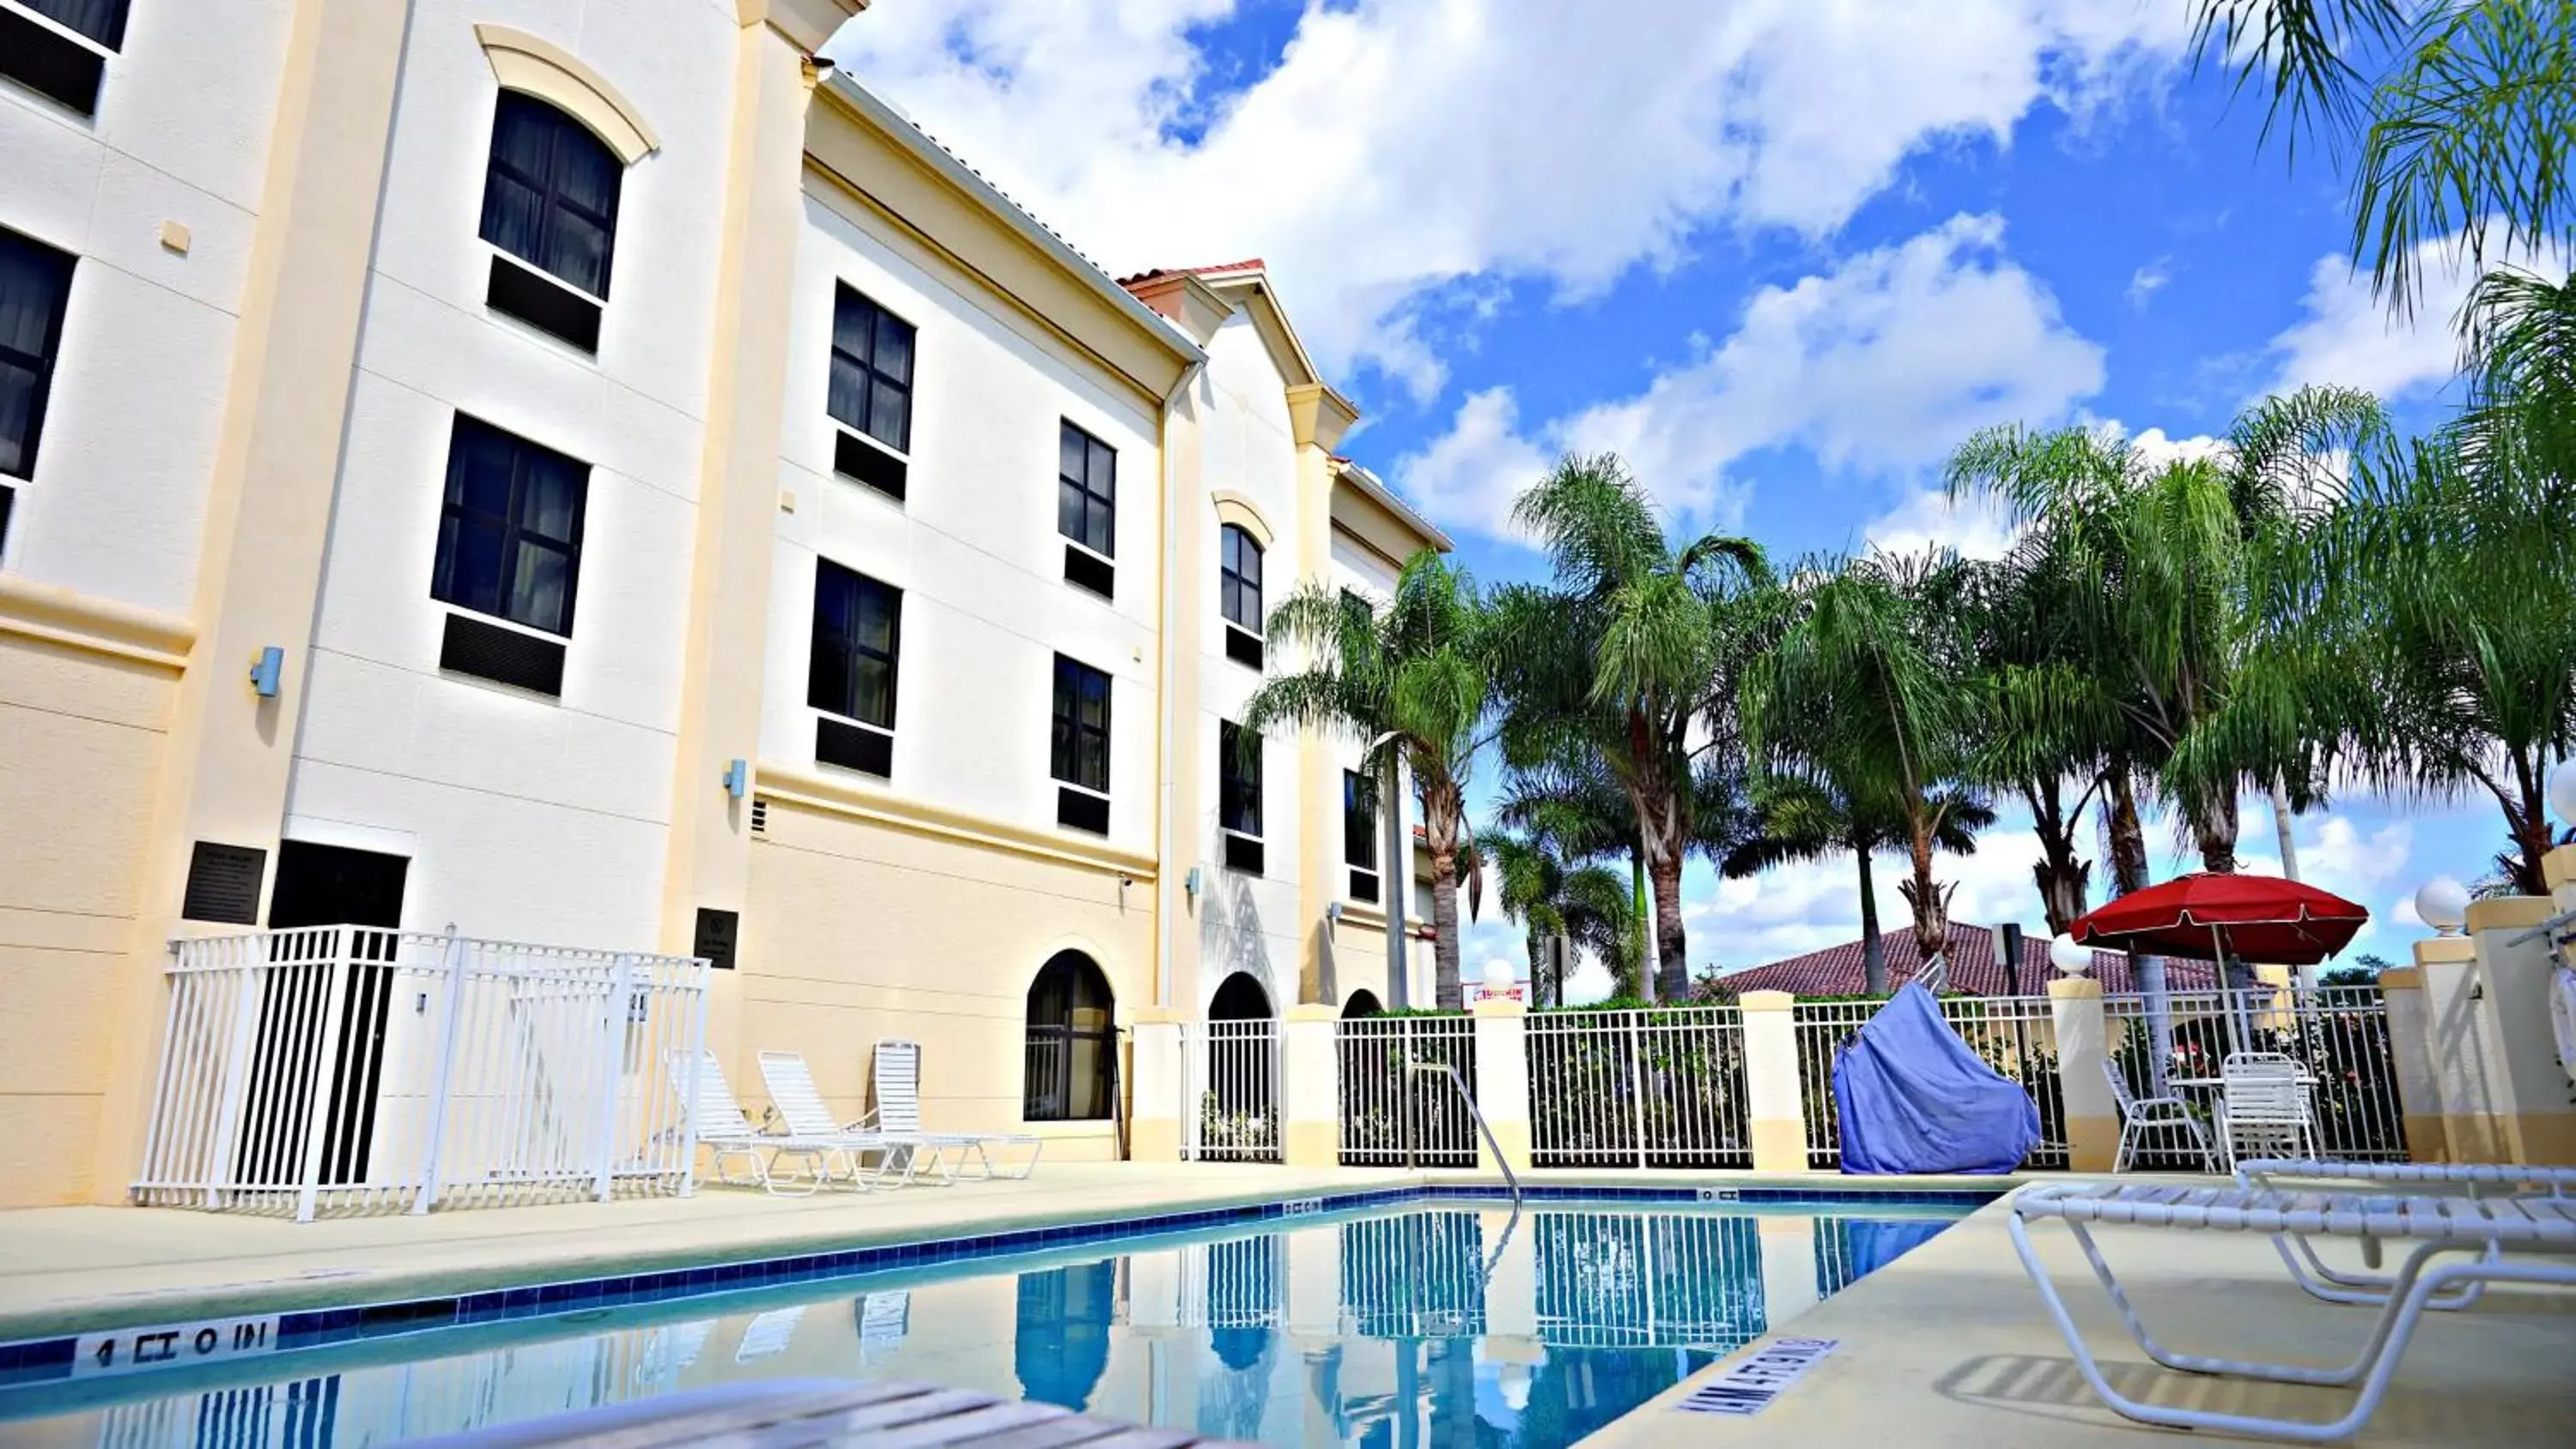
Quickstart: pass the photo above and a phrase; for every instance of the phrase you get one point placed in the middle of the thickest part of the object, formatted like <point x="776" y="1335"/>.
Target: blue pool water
<point x="1438" y="1323"/>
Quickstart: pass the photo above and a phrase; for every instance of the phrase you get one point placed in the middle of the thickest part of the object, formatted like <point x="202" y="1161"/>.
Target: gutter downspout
<point x="1166" y="834"/>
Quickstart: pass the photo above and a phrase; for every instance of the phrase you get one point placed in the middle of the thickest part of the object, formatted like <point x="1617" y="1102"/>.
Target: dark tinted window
<point x="1086" y="491"/>
<point x="1359" y="820"/>
<point x="1239" y="578"/>
<point x="1079" y="747"/>
<point x="100" y="20"/>
<point x="1071" y="1054"/>
<point x="550" y="195"/>
<point x="34" y="282"/>
<point x="858" y="626"/>
<point x="509" y="537"/>
<point x="872" y="370"/>
<point x="1238" y="778"/>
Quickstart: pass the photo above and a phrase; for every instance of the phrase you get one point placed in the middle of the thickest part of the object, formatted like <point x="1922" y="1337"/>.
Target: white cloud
<point x="1470" y="475"/>
<point x="2346" y="336"/>
<point x="1883" y="363"/>
<point x="1974" y="527"/>
<point x="2161" y="449"/>
<point x="2148" y="280"/>
<point x="1399" y="147"/>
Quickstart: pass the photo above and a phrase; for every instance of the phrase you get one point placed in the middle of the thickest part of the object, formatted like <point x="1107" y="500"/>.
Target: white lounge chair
<point x="2140" y="1116"/>
<point x="801" y="1108"/>
<point x="2474" y="1179"/>
<point x="724" y="1130"/>
<point x="897" y="1069"/>
<point x="2263" y="1108"/>
<point x="2489" y="1228"/>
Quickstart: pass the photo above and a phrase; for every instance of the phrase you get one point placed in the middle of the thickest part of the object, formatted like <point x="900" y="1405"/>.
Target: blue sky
<point x="1781" y="254"/>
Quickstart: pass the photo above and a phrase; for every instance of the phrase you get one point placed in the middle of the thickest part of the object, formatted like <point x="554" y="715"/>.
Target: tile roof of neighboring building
<point x="1248" y="264"/>
<point x="1976" y="968"/>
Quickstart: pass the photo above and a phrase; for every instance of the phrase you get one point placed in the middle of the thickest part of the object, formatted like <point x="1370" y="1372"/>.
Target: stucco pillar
<point x="1313" y="1130"/>
<point x="228" y="752"/>
<point x="2419" y="1098"/>
<point x="2558" y="869"/>
<point x="2466" y="1064"/>
<point x="1772" y="1097"/>
<point x="2083" y="1050"/>
<point x="1154" y="1135"/>
<point x="2538" y="1120"/>
<point x="1502" y="1081"/>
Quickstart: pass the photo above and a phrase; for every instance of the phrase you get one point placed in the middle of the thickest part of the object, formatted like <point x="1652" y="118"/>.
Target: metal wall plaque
<point x="717" y="931"/>
<point x="223" y="883"/>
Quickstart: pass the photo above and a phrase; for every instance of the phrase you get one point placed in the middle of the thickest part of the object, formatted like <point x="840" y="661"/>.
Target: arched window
<point x="1363" y="1002"/>
<point x="550" y="200"/>
<point x="1239" y="577"/>
<point x="1072" y="1053"/>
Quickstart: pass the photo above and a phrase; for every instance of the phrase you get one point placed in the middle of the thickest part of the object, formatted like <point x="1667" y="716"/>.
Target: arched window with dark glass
<point x="1072" y="1052"/>
<point x="1239" y="577"/>
<point x="550" y="200"/>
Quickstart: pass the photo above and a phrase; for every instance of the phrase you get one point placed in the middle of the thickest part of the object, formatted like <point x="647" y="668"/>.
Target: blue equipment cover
<point x="1914" y="1098"/>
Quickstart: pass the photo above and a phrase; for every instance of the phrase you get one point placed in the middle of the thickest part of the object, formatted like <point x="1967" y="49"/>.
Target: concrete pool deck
<point x="75" y="1269"/>
<point x="1949" y="1345"/>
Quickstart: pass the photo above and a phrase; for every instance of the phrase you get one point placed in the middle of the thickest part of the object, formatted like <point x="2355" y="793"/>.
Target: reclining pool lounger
<point x="2489" y="1227"/>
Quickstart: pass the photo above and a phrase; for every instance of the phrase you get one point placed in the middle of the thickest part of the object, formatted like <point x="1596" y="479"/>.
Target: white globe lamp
<point x="1500" y="977"/>
<point x="2443" y="904"/>
<point x="2068" y="957"/>
<point x="2562" y="791"/>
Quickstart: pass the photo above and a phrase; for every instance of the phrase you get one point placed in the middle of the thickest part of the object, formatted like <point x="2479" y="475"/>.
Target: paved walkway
<point x="1949" y="1345"/>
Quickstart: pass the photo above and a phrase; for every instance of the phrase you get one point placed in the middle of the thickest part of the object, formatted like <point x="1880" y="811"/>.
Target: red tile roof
<point x="1976" y="968"/>
<point x="1248" y="264"/>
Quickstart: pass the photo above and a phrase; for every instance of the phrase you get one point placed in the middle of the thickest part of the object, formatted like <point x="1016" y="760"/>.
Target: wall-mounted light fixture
<point x="1333" y="913"/>
<point x="737" y="778"/>
<point x="266" y="671"/>
<point x="1190" y="883"/>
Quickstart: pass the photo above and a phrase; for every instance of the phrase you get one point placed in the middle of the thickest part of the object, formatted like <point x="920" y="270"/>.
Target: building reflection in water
<point x="1440" y="1329"/>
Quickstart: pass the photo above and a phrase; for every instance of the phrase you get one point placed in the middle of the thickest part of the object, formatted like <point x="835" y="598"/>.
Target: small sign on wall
<point x="126" y="1350"/>
<point x="223" y="883"/>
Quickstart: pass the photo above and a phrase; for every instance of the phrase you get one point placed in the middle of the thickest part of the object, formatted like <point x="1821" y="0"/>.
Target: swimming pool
<point x="1370" y="1325"/>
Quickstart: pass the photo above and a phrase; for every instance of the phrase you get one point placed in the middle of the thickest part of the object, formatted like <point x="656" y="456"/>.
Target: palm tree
<point x="1802" y="817"/>
<point x="1414" y="682"/>
<point x="2467" y="127"/>
<point x="1577" y="809"/>
<point x="1588" y="906"/>
<point x="2044" y="731"/>
<point x="1635" y="646"/>
<point x="2160" y="569"/>
<point x="1863" y="689"/>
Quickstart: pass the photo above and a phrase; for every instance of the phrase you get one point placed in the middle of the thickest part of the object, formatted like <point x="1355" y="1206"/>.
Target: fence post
<point x="443" y="1072"/>
<point x="1502" y="1081"/>
<point x="1773" y="1099"/>
<point x="612" y="1070"/>
<point x="2083" y="1050"/>
<point x="2419" y="1098"/>
<point x="2456" y="1047"/>
<point x="1310" y="1116"/>
<point x="1155" y="1131"/>
<point x="2537" y="1123"/>
<point x="317" y="1100"/>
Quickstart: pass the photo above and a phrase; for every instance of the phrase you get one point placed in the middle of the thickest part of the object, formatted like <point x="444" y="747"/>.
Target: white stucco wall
<point x="973" y="546"/>
<point x="532" y="818"/>
<point x="118" y="498"/>
<point x="1247" y="923"/>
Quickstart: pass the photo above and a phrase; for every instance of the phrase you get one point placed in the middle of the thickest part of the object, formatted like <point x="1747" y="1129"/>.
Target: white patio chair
<point x="800" y="1106"/>
<point x="769" y="1334"/>
<point x="2489" y="1228"/>
<point x="897" y="1069"/>
<point x="723" y="1130"/>
<point x="2140" y="1116"/>
<point x="2263" y="1108"/>
<point x="2474" y="1179"/>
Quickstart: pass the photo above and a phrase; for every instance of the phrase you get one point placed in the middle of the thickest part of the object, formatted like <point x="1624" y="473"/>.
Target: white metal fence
<point x="2016" y="1035"/>
<point x="2338" y="1035"/>
<point x="349" y="1068"/>
<point x="1393" y="1116"/>
<point x="1638" y="1088"/>
<point x="1230" y="1088"/>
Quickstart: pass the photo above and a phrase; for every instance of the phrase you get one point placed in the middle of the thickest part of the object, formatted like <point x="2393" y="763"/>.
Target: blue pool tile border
<point x="44" y="1360"/>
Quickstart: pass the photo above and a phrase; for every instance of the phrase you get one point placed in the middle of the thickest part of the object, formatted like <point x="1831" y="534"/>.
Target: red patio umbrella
<point x="2252" y="917"/>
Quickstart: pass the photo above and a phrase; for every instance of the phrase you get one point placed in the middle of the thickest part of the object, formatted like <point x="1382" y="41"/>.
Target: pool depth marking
<point x="170" y="1344"/>
<point x="1749" y="1387"/>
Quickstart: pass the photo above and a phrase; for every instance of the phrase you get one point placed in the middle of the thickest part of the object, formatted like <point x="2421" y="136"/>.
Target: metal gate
<point x="350" y="1068"/>
<point x="1655" y="1087"/>
<point x="1394" y="1115"/>
<point x="1230" y="1091"/>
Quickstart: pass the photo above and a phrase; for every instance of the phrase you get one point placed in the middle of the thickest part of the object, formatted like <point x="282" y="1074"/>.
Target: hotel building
<point x="586" y="472"/>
